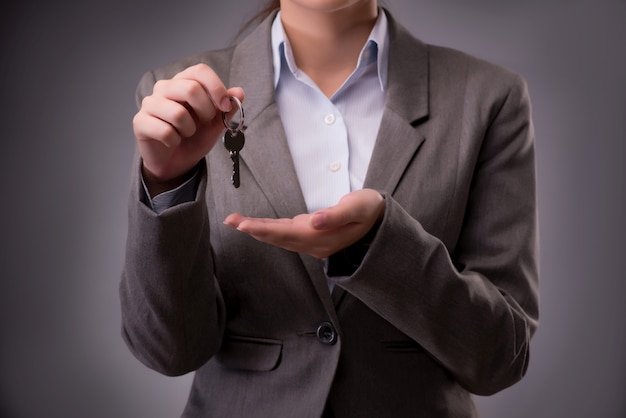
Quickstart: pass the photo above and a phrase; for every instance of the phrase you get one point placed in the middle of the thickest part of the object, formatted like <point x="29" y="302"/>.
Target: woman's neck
<point x="326" y="44"/>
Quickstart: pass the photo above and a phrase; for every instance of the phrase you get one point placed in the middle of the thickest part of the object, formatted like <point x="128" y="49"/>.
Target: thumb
<point x="363" y="206"/>
<point x="330" y="218"/>
<point x="344" y="212"/>
<point x="318" y="220"/>
<point x="229" y="102"/>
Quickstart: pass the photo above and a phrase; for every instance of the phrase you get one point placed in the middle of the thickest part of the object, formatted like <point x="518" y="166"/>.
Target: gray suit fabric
<point x="445" y="301"/>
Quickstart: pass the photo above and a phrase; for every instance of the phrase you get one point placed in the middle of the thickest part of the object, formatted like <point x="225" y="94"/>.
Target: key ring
<point x="240" y="126"/>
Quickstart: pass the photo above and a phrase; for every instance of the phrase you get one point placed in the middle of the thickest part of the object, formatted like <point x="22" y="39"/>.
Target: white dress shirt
<point x="331" y="139"/>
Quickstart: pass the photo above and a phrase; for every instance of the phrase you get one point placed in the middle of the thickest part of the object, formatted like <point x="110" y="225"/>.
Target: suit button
<point x="326" y="333"/>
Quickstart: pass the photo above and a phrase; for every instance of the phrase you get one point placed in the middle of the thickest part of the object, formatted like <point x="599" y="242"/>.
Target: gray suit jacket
<point x="444" y="303"/>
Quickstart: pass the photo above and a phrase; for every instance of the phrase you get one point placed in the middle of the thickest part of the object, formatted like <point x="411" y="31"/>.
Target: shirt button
<point x="329" y="119"/>
<point x="326" y="333"/>
<point x="334" y="167"/>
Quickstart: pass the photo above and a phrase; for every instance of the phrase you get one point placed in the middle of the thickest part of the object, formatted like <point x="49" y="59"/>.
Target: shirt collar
<point x="376" y="47"/>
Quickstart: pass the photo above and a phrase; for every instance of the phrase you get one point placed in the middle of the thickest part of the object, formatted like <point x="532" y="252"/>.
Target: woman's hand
<point x="322" y="233"/>
<point x="179" y="123"/>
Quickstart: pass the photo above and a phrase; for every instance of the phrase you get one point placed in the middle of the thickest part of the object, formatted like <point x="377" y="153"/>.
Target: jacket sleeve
<point x="172" y="308"/>
<point x="473" y="307"/>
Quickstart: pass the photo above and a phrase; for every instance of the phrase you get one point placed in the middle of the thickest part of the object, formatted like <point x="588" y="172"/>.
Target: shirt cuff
<point x="186" y="192"/>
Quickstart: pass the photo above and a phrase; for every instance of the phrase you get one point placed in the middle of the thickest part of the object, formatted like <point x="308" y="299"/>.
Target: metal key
<point x="234" y="140"/>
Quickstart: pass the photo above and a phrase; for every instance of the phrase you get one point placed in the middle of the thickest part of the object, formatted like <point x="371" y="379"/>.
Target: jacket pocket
<point x="250" y="353"/>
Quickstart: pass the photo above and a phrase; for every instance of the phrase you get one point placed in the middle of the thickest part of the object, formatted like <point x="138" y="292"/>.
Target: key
<point x="234" y="142"/>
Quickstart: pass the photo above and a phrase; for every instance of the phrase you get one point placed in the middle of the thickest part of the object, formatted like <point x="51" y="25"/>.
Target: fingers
<point x="256" y="225"/>
<point x="184" y="102"/>
<point x="239" y="94"/>
<point x="233" y="220"/>
<point x="148" y="127"/>
<point x="164" y="119"/>
<point x="290" y="234"/>
<point x="296" y="234"/>
<point x="186" y="92"/>
<point x="212" y="86"/>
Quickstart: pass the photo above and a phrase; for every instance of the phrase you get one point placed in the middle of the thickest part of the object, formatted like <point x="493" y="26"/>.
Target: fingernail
<point x="226" y="105"/>
<point x="318" y="220"/>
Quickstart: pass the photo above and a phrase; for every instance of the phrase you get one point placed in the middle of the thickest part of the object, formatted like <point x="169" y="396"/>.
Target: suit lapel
<point x="401" y="134"/>
<point x="406" y="106"/>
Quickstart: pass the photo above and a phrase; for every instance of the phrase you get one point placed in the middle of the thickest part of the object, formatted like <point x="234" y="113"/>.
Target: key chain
<point x="234" y="140"/>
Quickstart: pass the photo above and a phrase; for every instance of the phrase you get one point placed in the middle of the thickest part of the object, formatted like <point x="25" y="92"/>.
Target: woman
<point x="380" y="256"/>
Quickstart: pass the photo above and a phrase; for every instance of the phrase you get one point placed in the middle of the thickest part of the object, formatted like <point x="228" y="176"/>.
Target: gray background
<point x="68" y="75"/>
